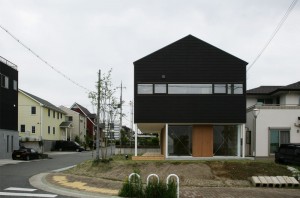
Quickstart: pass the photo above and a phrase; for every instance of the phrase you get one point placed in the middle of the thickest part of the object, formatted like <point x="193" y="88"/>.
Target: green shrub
<point x="134" y="188"/>
<point x="153" y="189"/>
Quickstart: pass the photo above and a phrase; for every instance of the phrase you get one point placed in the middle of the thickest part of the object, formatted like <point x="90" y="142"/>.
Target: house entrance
<point x="202" y="141"/>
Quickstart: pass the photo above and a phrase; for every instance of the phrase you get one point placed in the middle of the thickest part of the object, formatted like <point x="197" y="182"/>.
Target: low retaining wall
<point x="130" y="151"/>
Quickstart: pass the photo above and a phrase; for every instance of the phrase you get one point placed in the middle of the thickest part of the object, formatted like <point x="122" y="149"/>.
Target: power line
<point x="43" y="60"/>
<point x="274" y="33"/>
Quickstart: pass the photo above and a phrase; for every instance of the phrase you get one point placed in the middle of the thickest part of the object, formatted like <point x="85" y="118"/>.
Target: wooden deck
<point x="149" y="156"/>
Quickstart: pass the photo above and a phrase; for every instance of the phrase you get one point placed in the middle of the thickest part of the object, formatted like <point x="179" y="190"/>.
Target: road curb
<point x="39" y="181"/>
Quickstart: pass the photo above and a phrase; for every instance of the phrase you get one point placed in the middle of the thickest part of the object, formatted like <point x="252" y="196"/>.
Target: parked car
<point x="62" y="145"/>
<point x="288" y="154"/>
<point x="25" y="154"/>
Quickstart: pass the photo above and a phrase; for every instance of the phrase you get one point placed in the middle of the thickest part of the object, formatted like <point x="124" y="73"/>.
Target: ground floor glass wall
<point x="180" y="140"/>
<point x="225" y="140"/>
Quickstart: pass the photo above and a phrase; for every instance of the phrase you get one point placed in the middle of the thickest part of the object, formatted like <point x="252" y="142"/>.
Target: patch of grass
<point x="242" y="170"/>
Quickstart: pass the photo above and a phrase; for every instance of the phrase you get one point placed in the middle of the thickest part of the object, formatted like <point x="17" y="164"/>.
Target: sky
<point x="80" y="37"/>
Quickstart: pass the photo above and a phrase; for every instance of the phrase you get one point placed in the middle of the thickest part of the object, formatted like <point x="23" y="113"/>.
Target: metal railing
<point x="8" y="63"/>
<point x="273" y="106"/>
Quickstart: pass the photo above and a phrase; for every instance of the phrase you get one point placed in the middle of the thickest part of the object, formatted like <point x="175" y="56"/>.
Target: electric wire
<point x="289" y="10"/>
<point x="43" y="60"/>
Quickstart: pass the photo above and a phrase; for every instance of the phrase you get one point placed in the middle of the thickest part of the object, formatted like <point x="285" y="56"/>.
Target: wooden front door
<point x="202" y="141"/>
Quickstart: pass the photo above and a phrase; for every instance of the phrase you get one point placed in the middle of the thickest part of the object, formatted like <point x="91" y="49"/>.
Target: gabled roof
<point x="43" y="102"/>
<point x="191" y="45"/>
<point x="269" y="90"/>
<point x="292" y="87"/>
<point x="263" y="90"/>
<point x="84" y="111"/>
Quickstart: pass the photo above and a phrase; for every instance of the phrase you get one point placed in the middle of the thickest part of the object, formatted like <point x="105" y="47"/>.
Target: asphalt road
<point x="14" y="178"/>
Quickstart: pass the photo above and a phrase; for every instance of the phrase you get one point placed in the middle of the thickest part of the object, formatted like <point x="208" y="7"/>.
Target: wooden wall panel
<point x="202" y="141"/>
<point x="163" y="141"/>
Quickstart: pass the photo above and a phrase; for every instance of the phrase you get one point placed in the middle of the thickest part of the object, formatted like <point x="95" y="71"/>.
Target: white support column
<point x="166" y="141"/>
<point x="66" y="130"/>
<point x="244" y="139"/>
<point x="135" y="140"/>
<point x="239" y="140"/>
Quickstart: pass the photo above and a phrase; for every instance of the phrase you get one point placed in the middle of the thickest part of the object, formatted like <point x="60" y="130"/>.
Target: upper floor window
<point x="189" y="88"/>
<point x="235" y="88"/>
<point x="53" y="114"/>
<point x="70" y="118"/>
<point x="265" y="100"/>
<point x="145" y="89"/>
<point x="220" y="88"/>
<point x="57" y="115"/>
<point x="217" y="88"/>
<point x="4" y="81"/>
<point x="160" y="88"/>
<point x="33" y="110"/>
<point x="49" y="112"/>
<point x="15" y="85"/>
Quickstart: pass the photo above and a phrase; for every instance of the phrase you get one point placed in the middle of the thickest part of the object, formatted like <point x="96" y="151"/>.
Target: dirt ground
<point x="190" y="174"/>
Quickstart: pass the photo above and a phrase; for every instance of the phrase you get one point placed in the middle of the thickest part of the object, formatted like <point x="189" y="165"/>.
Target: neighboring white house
<point x="277" y="110"/>
<point x="78" y="122"/>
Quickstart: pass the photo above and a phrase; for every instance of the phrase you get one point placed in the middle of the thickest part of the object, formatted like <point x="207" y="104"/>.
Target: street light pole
<point x="255" y="114"/>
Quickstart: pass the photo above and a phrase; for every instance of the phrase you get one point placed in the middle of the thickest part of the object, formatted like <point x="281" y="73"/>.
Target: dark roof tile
<point x="44" y="102"/>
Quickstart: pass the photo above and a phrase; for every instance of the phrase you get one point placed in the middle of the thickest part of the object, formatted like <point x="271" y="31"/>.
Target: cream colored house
<point x="79" y="123"/>
<point x="40" y="123"/>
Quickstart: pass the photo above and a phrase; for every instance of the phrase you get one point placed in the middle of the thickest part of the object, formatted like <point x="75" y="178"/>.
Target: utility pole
<point x="131" y="131"/>
<point x="98" y="116"/>
<point x="121" y="114"/>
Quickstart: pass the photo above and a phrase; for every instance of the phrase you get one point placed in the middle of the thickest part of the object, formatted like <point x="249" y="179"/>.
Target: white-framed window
<point x="33" y="110"/>
<point x="22" y="128"/>
<point x="33" y="129"/>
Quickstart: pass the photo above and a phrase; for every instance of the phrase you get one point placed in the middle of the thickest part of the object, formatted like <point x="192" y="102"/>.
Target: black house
<point x="194" y="95"/>
<point x="9" y="136"/>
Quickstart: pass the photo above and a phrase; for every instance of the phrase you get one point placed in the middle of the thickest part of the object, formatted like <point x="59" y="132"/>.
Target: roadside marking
<point x="63" y="169"/>
<point x="26" y="194"/>
<point x="21" y="189"/>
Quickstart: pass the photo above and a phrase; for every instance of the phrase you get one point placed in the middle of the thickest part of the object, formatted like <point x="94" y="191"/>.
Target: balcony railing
<point x="273" y="106"/>
<point x="8" y="63"/>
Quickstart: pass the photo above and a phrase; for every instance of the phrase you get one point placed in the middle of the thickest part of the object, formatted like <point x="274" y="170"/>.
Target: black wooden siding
<point x="8" y="100"/>
<point x="190" y="60"/>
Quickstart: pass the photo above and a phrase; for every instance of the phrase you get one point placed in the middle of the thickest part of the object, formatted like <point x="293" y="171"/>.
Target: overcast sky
<point x="79" y="37"/>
